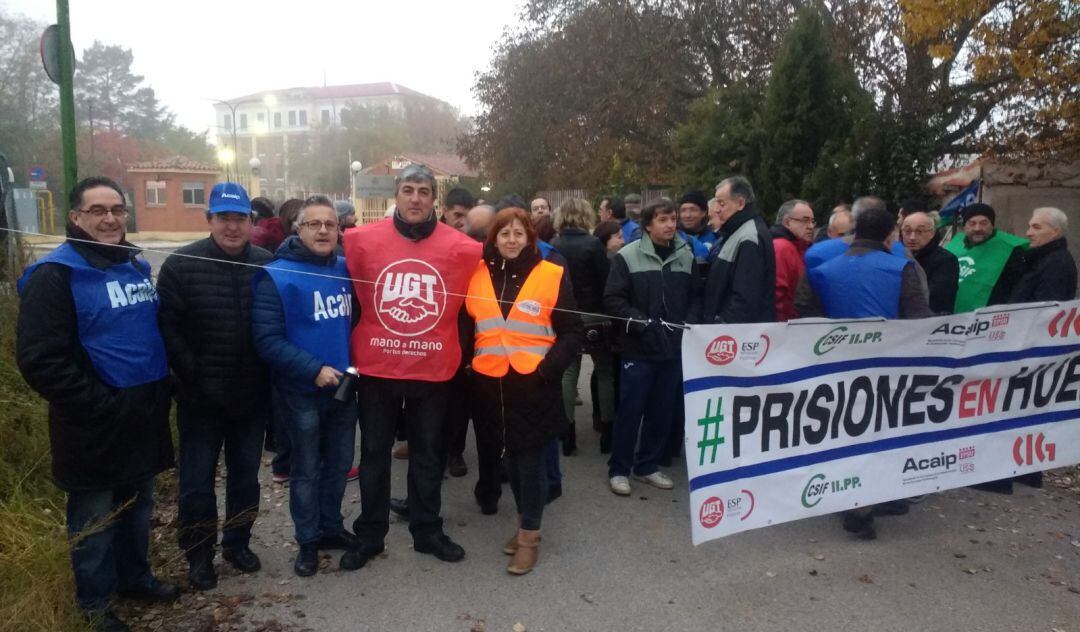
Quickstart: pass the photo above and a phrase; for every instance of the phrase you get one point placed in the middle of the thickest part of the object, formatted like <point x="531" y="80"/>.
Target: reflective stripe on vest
<point x="523" y="338"/>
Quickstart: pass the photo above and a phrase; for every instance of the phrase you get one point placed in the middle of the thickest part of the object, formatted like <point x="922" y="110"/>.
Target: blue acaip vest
<point x="822" y="251"/>
<point x="116" y="310"/>
<point x="859" y="287"/>
<point x="318" y="310"/>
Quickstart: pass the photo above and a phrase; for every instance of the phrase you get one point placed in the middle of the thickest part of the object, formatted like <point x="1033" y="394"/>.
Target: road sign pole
<point x="67" y="97"/>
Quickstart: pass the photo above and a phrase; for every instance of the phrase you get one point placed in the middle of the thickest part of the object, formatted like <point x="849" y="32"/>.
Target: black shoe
<point x="307" y="560"/>
<point x="105" y="621"/>
<point x="553" y="492"/>
<point x="342" y="541"/>
<point x="892" y="508"/>
<point x="1004" y="486"/>
<point x="456" y="467"/>
<point x="243" y="560"/>
<point x="157" y="591"/>
<point x="861" y="525"/>
<point x="201" y="575"/>
<point x="359" y="555"/>
<point x="400" y="507"/>
<point x="441" y="546"/>
<point x="1035" y="479"/>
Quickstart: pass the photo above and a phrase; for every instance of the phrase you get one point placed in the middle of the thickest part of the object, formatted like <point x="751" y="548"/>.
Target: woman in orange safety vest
<point x="524" y="341"/>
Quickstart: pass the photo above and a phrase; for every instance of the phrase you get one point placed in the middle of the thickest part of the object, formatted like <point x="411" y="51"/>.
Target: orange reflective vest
<point x="523" y="338"/>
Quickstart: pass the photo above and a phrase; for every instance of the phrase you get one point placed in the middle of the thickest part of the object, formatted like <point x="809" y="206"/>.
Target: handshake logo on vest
<point x="410" y="297"/>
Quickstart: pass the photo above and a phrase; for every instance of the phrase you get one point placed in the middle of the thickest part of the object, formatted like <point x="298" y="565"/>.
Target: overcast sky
<point x="194" y="51"/>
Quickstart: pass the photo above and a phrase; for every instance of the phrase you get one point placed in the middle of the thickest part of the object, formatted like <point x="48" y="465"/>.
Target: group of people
<point x="411" y="327"/>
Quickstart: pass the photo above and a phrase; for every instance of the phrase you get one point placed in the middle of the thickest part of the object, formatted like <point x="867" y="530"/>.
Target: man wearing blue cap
<point x="224" y="387"/>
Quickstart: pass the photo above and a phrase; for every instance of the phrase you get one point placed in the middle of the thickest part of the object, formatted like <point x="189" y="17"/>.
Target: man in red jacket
<point x="792" y="235"/>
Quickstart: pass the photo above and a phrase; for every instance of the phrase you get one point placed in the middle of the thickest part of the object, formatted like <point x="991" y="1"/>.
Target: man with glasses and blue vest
<point x="301" y="321"/>
<point x="88" y="342"/>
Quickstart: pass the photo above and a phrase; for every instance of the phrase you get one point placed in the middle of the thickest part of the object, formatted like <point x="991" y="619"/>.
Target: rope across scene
<point x="328" y="276"/>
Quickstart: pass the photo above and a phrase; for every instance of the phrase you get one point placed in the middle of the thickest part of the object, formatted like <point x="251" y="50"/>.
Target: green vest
<point x="980" y="267"/>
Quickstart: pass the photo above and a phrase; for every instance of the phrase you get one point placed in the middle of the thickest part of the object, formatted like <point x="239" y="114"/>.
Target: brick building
<point x="171" y="194"/>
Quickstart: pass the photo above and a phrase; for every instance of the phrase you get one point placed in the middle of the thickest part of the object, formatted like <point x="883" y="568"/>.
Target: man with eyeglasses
<point x="941" y="267"/>
<point x="793" y="233"/>
<point x="301" y="321"/>
<point x="89" y="343"/>
<point x="223" y="385"/>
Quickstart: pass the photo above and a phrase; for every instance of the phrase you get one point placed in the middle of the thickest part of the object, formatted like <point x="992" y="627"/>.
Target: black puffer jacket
<point x="524" y="412"/>
<point x="1050" y="274"/>
<point x="742" y="279"/>
<point x="205" y="320"/>
<point x="589" y="267"/>
<point x="101" y="437"/>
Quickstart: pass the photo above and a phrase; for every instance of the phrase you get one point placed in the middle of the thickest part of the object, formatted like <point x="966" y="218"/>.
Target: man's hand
<point x="328" y="376"/>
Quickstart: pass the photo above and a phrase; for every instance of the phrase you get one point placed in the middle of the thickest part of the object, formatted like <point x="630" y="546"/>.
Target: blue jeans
<point x="551" y="463"/>
<point x="529" y="482"/>
<point x="109" y="531"/>
<point x="322" y="431"/>
<point x="647" y="397"/>
<point x="202" y="436"/>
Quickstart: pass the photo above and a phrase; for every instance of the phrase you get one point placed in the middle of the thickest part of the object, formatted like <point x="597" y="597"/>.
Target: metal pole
<point x="67" y="96"/>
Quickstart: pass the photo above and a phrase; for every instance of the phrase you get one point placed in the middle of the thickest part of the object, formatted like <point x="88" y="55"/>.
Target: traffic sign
<point x="375" y="186"/>
<point x="38" y="184"/>
<point x="37" y="172"/>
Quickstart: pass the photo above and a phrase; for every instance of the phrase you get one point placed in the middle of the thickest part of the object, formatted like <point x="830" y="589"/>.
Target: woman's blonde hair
<point x="576" y="213"/>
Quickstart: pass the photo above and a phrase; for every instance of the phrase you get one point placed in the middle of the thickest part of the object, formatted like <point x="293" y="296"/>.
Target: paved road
<point x="962" y="560"/>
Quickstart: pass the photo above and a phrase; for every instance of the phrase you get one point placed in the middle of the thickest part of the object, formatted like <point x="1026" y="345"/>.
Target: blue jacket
<point x="822" y="251"/>
<point x="631" y="230"/>
<point x="860" y="286"/>
<point x="293" y="363"/>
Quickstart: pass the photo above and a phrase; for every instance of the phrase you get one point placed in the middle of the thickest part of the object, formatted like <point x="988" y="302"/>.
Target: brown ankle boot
<point x="511" y="545"/>
<point x="528" y="551"/>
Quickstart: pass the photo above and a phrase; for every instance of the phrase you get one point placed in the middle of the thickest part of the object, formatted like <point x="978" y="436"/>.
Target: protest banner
<point x="791" y="420"/>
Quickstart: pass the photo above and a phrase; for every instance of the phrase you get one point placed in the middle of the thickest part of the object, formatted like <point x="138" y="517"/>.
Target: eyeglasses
<point x="804" y="220"/>
<point x="909" y="232"/>
<point x="317" y="224"/>
<point x="98" y="212"/>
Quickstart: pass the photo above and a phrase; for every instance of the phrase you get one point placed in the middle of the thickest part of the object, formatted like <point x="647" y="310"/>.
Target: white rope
<point x="167" y="253"/>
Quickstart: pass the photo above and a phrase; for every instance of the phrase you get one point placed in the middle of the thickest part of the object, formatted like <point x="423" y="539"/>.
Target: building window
<point x="243" y="121"/>
<point x="303" y="118"/>
<point x="326" y="117"/>
<point x="194" y="194"/>
<point x="155" y="193"/>
<point x="260" y="117"/>
<point x="292" y="118"/>
<point x="277" y="120"/>
<point x="228" y="121"/>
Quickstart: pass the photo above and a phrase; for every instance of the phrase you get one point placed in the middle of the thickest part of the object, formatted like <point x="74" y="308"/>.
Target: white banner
<point x="790" y="420"/>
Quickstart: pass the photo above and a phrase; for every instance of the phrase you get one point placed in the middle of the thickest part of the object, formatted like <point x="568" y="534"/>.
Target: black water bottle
<point x="346" y="387"/>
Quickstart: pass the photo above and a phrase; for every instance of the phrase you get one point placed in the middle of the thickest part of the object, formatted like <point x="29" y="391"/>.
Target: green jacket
<point x="987" y="270"/>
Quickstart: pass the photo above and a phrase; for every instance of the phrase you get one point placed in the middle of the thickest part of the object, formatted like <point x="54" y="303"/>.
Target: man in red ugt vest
<point x="410" y="273"/>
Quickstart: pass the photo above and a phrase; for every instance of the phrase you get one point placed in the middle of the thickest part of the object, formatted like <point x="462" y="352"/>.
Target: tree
<point x="721" y="137"/>
<point x="28" y="99"/>
<point x="106" y="84"/>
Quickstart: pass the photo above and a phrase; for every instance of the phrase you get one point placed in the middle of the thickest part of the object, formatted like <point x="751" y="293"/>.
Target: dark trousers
<point x="458" y="412"/>
<point x="647" y="393"/>
<point x="528" y="481"/>
<point x="109" y="531"/>
<point x="322" y="433"/>
<point x="381" y="401"/>
<point x="202" y="436"/>
<point x="488" y="488"/>
<point x="279" y="430"/>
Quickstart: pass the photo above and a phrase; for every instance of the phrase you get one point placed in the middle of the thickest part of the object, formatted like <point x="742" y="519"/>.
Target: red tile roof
<point x="352" y="91"/>
<point x="174" y="163"/>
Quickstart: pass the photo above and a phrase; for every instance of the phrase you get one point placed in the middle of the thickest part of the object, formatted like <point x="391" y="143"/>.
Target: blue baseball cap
<point x="229" y="197"/>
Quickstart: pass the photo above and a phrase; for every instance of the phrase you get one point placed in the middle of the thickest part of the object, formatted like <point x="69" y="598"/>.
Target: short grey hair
<point x="343" y="208"/>
<point x="832" y="218"/>
<point x="786" y="208"/>
<point x="740" y="186"/>
<point x="314" y="200"/>
<point x="865" y="203"/>
<point x="417" y="174"/>
<point x="1054" y="216"/>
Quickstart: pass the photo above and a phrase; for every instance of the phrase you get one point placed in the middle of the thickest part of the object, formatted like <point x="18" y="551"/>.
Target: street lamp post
<point x="232" y="109"/>
<point x="255" y="189"/>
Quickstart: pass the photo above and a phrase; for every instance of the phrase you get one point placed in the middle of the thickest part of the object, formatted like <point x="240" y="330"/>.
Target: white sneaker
<point x="657" y="479"/>
<point x="620" y="485"/>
